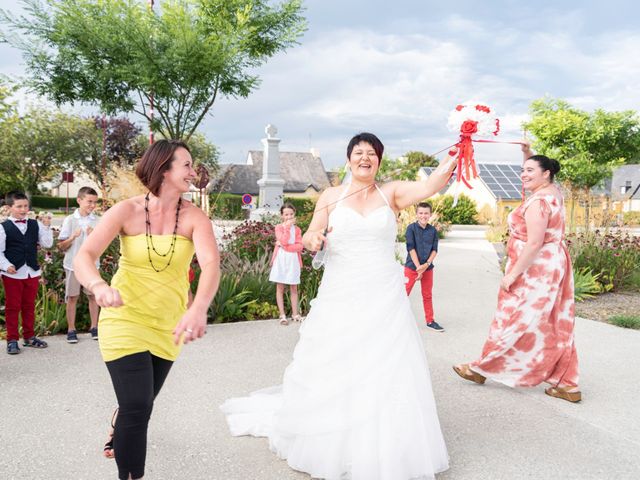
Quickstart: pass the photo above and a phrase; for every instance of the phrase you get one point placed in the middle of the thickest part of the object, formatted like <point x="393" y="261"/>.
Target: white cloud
<point x="401" y="77"/>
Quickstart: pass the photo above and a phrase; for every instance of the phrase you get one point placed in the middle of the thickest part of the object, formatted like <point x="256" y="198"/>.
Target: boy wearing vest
<point x="73" y="233"/>
<point x="19" y="240"/>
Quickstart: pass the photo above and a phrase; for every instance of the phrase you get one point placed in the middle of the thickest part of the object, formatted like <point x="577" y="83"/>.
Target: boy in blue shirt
<point x="422" y="248"/>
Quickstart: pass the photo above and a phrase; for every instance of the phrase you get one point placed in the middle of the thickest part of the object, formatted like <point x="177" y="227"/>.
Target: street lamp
<point x="67" y="177"/>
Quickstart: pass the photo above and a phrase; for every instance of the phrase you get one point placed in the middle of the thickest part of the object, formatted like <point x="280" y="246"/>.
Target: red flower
<point x="483" y="108"/>
<point x="469" y="127"/>
<point x="459" y="107"/>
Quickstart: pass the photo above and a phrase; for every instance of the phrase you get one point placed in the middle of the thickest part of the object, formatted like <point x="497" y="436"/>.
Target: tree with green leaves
<point x="406" y="167"/>
<point x="7" y="89"/>
<point x="589" y="146"/>
<point x="123" y="56"/>
<point x="39" y="144"/>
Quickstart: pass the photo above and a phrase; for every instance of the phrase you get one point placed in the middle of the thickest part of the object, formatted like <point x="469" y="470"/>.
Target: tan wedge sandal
<point x="564" y="393"/>
<point x="465" y="372"/>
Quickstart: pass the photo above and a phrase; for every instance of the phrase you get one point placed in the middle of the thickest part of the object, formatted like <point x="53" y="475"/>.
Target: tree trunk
<point x="587" y="208"/>
<point x="572" y="224"/>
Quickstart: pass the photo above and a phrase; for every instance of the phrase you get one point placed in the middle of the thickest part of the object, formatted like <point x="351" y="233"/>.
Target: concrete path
<point x="56" y="403"/>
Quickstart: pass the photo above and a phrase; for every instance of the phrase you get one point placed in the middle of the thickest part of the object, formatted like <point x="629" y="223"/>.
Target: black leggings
<point x="137" y="379"/>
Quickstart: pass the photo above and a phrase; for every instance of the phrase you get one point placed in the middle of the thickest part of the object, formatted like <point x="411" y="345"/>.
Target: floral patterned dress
<point x="531" y="336"/>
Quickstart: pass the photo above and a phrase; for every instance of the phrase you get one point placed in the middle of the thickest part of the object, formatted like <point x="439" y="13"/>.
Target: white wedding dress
<point x="356" y="401"/>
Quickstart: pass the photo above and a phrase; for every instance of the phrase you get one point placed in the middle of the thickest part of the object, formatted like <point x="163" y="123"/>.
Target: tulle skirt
<point x="356" y="401"/>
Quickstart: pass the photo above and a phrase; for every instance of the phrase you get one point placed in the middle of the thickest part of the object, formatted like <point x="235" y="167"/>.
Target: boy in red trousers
<point x="422" y="248"/>
<point x="19" y="240"/>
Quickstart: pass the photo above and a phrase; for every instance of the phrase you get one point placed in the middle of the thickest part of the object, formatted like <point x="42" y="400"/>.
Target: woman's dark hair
<point x="287" y="205"/>
<point x="369" y="138"/>
<point x="547" y="164"/>
<point x="157" y="160"/>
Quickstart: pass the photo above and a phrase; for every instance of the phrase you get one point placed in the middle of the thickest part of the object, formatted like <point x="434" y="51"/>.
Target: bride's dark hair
<point x="546" y="163"/>
<point x="369" y="138"/>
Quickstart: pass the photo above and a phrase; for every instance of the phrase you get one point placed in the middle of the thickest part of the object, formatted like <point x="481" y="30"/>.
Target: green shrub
<point x="253" y="276"/>
<point x="631" y="218"/>
<point x="250" y="240"/>
<point x="585" y="284"/>
<point x="634" y="280"/>
<point x="464" y="213"/>
<point x="262" y="311"/>
<point x="310" y="279"/>
<point x="442" y="228"/>
<point x="231" y="302"/>
<point x="613" y="258"/>
<point x="228" y="206"/>
<point x="626" y="321"/>
<point x="51" y="313"/>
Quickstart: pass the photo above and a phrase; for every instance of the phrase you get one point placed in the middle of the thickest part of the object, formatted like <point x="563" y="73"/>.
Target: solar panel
<point x="502" y="179"/>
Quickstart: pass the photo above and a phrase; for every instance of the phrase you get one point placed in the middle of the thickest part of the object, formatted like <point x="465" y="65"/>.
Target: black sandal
<point x="35" y="342"/>
<point x="108" y="446"/>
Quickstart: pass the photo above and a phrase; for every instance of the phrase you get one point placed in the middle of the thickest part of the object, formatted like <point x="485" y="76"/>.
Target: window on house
<point x="626" y="187"/>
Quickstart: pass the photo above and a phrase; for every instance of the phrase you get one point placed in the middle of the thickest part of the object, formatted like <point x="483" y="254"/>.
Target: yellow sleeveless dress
<point x="154" y="301"/>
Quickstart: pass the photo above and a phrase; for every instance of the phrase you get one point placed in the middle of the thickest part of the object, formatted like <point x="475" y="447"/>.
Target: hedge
<point x="228" y="206"/>
<point x="46" y="202"/>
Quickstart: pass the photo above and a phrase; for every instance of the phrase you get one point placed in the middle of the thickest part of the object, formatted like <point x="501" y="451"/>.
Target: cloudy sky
<point x="397" y="68"/>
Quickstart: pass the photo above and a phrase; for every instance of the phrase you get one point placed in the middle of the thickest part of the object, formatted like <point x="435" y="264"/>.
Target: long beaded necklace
<point x="149" y="237"/>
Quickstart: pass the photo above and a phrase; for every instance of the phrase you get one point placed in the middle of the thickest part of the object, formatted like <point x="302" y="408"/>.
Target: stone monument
<point x="271" y="185"/>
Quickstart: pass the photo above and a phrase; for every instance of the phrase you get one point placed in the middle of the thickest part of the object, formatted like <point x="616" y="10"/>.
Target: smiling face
<point x="181" y="173"/>
<point x="288" y="214"/>
<point x="87" y="204"/>
<point x="364" y="162"/>
<point x="19" y="209"/>
<point x="533" y="176"/>
<point x="424" y="215"/>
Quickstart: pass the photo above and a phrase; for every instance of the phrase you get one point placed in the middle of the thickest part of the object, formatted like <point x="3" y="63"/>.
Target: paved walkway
<point x="55" y="403"/>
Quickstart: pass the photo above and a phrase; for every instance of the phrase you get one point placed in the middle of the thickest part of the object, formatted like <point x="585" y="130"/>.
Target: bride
<point x="356" y="401"/>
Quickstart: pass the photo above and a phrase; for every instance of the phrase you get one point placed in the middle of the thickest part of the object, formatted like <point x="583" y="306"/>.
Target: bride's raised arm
<point x="405" y="193"/>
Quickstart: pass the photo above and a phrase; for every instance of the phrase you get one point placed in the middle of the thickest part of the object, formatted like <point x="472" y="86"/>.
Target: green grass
<point x="626" y="321"/>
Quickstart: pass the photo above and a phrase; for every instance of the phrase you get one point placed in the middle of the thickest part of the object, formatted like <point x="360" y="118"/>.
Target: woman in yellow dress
<point x="144" y="319"/>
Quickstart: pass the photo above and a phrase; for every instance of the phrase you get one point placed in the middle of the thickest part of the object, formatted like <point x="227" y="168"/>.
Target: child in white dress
<point x="286" y="262"/>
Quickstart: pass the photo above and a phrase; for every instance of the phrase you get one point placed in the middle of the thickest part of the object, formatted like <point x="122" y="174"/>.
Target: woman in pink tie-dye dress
<point x="531" y="337"/>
